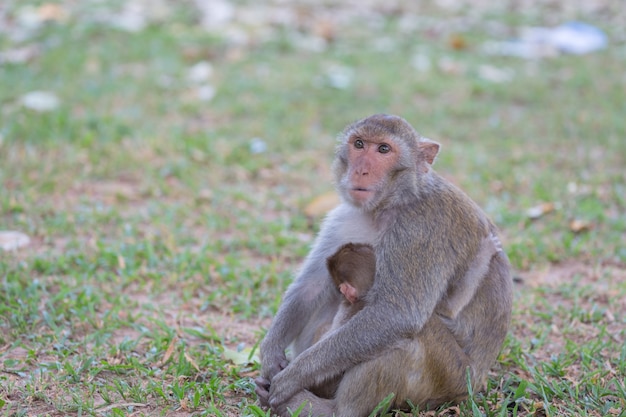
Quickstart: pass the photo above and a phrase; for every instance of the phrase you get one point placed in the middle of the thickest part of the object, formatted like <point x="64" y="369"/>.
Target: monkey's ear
<point x="428" y="148"/>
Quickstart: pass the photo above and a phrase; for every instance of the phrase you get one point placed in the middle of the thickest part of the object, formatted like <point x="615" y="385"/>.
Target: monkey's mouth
<point x="360" y="193"/>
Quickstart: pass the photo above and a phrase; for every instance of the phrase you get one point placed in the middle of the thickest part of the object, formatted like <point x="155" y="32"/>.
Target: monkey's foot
<point x="263" y="391"/>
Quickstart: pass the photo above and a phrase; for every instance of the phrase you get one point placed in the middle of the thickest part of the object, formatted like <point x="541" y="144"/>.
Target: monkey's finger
<point x="283" y="364"/>
<point x="262" y="383"/>
<point x="279" y="396"/>
<point x="263" y="398"/>
<point x="263" y="394"/>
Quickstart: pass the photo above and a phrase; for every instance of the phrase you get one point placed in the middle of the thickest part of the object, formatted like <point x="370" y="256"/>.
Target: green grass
<point x="161" y="242"/>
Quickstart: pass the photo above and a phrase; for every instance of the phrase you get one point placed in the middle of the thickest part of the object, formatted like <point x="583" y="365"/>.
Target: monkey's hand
<point x="263" y="385"/>
<point x="273" y="363"/>
<point x="263" y="391"/>
<point x="284" y="386"/>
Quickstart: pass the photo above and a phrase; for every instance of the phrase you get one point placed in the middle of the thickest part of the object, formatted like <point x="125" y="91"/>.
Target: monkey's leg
<point x="312" y="406"/>
<point x="396" y="370"/>
<point x="427" y="370"/>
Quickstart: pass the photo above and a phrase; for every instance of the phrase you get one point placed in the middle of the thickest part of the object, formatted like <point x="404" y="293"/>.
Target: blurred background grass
<point x="166" y="161"/>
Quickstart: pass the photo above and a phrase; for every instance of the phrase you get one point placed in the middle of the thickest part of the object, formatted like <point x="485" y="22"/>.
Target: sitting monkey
<point x="439" y="305"/>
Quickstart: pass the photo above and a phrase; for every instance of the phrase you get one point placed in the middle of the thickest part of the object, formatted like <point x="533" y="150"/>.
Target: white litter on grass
<point x="340" y="77"/>
<point x="206" y="92"/>
<point x="421" y="62"/>
<point x="215" y="13"/>
<point x="132" y="18"/>
<point x="11" y="240"/>
<point x="537" y="42"/>
<point x="200" y="72"/>
<point x="41" y="101"/>
<point x="495" y="74"/>
<point x="571" y="38"/>
<point x="257" y="145"/>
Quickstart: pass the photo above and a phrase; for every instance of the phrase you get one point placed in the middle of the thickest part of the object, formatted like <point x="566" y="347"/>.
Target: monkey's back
<point x="480" y="327"/>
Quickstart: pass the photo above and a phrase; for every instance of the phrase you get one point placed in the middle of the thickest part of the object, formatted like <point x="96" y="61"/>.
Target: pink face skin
<point x="349" y="292"/>
<point x="370" y="161"/>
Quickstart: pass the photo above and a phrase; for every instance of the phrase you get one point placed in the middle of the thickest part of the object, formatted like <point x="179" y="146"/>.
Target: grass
<point x="162" y="238"/>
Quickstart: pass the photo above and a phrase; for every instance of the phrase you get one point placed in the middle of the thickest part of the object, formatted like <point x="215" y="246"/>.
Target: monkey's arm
<point x="312" y="289"/>
<point x="298" y="304"/>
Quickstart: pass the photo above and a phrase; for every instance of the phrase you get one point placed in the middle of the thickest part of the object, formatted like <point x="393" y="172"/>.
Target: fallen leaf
<point x="192" y="362"/>
<point x="325" y="29"/>
<point x="168" y="353"/>
<point x="578" y="226"/>
<point x="51" y="11"/>
<point x="540" y="210"/>
<point x="451" y="412"/>
<point x="540" y="410"/>
<point x="240" y="356"/>
<point x="121" y="262"/>
<point x="322" y="204"/>
<point x="457" y="42"/>
<point x="119" y="405"/>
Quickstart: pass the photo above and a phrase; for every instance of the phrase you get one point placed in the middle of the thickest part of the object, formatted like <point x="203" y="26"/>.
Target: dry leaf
<point x="540" y="210"/>
<point x="192" y="362"/>
<point x="51" y="11"/>
<point x="540" y="410"/>
<point x="119" y="405"/>
<point x="121" y="262"/>
<point x="322" y="204"/>
<point x="451" y="411"/>
<point x="168" y="353"/>
<point x="457" y="42"/>
<point x="325" y="29"/>
<point x="578" y="226"/>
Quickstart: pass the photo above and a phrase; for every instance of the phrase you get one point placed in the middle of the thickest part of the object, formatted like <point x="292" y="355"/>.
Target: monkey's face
<point x="379" y="159"/>
<point x="371" y="160"/>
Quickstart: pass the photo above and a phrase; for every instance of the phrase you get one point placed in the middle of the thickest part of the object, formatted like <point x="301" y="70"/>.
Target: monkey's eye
<point x="384" y="148"/>
<point x="359" y="144"/>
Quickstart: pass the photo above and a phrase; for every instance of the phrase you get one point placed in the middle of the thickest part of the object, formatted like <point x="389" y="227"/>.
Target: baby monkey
<point x="352" y="269"/>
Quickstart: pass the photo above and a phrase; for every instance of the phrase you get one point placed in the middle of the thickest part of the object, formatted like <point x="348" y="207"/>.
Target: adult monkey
<point x="426" y="234"/>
